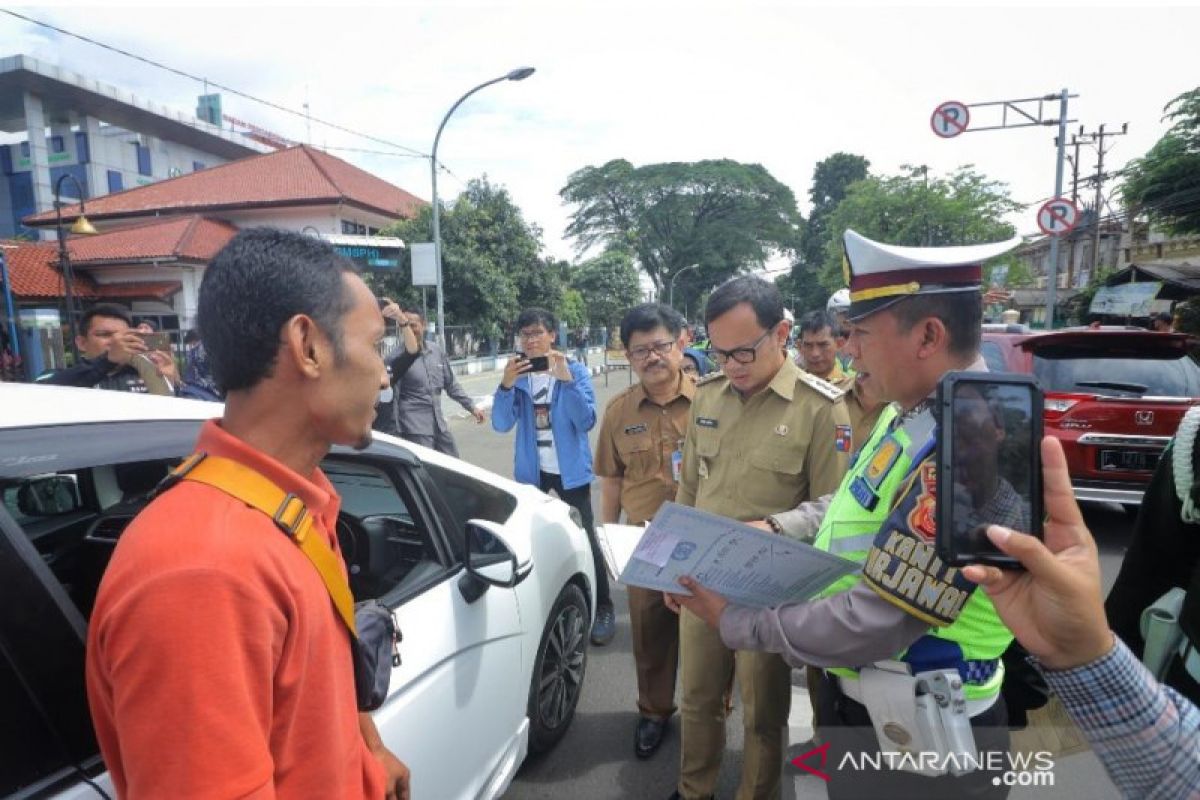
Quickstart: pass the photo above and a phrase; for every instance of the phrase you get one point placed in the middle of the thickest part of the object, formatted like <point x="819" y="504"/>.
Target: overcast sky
<point x="783" y="84"/>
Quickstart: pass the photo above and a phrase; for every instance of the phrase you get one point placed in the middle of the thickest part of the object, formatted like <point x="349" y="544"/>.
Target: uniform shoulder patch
<point x="822" y="387"/>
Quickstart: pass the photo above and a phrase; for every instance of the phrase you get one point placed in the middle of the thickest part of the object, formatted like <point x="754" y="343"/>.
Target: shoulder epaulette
<point x="618" y="397"/>
<point x="822" y="387"/>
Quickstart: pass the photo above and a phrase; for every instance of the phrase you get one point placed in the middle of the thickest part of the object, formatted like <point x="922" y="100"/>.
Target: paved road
<point x="595" y="759"/>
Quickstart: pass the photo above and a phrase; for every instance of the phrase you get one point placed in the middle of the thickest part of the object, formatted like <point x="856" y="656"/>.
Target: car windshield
<point x="1158" y="374"/>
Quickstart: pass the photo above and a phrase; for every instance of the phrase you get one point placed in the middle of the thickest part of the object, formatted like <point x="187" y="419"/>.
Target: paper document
<point x="748" y="566"/>
<point x="617" y="543"/>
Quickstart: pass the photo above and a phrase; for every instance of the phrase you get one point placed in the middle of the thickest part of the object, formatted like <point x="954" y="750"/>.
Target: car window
<point x="387" y="540"/>
<point x="993" y="356"/>
<point x="468" y="498"/>
<point x="1163" y="374"/>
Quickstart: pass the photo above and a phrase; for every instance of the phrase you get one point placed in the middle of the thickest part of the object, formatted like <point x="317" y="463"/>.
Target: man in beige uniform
<point x="819" y="350"/>
<point x="763" y="437"/>
<point x="638" y="456"/>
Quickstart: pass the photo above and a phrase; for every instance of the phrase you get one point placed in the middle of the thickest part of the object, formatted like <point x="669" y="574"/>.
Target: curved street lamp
<point x="671" y="284"/>
<point x="81" y="226"/>
<point x="519" y="74"/>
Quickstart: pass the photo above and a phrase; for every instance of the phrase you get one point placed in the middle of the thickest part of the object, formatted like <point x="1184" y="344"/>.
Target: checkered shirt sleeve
<point x="1146" y="735"/>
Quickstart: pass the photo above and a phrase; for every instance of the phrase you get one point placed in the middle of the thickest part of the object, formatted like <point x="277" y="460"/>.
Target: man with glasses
<point x="763" y="436"/>
<point x="553" y="409"/>
<point x="639" y="453"/>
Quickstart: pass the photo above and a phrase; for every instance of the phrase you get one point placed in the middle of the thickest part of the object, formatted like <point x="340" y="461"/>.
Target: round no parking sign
<point x="1057" y="216"/>
<point x="950" y="119"/>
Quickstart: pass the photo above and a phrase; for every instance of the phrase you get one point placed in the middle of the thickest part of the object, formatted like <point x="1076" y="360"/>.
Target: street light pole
<point x="519" y="74"/>
<point x="671" y="284"/>
<point x="80" y="226"/>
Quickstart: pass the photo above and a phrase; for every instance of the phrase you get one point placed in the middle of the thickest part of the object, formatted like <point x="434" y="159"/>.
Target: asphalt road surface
<point x="595" y="759"/>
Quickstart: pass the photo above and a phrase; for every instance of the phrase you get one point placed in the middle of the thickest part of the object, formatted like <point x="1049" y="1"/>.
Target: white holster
<point x="918" y="714"/>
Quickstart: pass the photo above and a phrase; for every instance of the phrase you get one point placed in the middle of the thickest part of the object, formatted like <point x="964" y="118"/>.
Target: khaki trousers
<point x="655" y="631"/>
<point x="764" y="680"/>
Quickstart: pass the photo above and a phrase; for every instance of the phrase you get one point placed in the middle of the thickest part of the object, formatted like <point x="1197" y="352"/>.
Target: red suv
<point x="1114" y="397"/>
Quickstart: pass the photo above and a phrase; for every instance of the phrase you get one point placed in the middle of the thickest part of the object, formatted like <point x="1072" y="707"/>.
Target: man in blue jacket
<point x="553" y="410"/>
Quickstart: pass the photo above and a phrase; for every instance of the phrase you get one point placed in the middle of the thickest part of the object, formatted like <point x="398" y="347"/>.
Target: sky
<point x="780" y="84"/>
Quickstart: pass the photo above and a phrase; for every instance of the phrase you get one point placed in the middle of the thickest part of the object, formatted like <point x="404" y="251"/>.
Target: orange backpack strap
<point x="286" y="510"/>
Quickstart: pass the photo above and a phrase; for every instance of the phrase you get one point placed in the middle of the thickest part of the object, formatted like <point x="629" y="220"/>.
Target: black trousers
<point x="580" y="499"/>
<point x="846" y="726"/>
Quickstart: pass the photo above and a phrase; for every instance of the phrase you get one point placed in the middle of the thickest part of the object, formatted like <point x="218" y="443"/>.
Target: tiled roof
<point x="154" y="290"/>
<point x="297" y="176"/>
<point x="189" y="238"/>
<point x="33" y="269"/>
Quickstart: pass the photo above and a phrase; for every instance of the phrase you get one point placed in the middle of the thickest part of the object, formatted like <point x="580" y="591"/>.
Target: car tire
<point x="558" y="671"/>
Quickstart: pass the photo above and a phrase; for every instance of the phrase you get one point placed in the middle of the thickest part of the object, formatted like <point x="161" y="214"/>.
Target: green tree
<point x="490" y="261"/>
<point x="609" y="286"/>
<point x="965" y="207"/>
<point x="1164" y="184"/>
<point x="831" y="179"/>
<point x="721" y="214"/>
<point x="573" y="310"/>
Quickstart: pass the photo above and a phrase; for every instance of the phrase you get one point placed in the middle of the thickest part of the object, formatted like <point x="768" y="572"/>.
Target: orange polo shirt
<point x="217" y="666"/>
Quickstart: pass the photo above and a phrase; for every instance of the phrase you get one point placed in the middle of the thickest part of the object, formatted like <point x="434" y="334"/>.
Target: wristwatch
<point x="774" y="524"/>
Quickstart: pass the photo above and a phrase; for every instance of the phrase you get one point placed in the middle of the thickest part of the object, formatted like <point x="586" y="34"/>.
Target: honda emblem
<point x="1144" y="417"/>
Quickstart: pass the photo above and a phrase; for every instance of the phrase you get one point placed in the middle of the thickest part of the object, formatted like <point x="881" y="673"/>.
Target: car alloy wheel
<point x="558" y="673"/>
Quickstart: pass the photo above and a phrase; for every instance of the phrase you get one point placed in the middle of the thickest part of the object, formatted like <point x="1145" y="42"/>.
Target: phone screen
<point x="157" y="341"/>
<point x="993" y="473"/>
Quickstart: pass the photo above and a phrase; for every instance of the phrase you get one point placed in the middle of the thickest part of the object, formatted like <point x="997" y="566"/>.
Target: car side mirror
<point x="489" y="559"/>
<point x="48" y="496"/>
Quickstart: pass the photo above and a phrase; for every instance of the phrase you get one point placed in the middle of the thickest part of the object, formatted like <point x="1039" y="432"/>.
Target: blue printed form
<point x="748" y="566"/>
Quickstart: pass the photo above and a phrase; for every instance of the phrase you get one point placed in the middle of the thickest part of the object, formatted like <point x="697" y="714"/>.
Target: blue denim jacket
<point x="572" y="415"/>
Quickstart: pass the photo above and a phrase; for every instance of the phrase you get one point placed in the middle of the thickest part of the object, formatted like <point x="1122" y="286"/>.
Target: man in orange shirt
<point x="217" y="665"/>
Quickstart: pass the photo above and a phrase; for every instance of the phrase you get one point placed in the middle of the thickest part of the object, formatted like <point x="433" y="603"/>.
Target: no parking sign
<point x="1057" y="216"/>
<point x="950" y="119"/>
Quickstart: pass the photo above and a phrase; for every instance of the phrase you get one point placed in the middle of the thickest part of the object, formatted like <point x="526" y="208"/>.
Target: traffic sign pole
<point x="1052" y="269"/>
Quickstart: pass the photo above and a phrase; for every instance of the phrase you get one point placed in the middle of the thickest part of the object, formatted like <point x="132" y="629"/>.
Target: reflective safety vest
<point x="849" y="529"/>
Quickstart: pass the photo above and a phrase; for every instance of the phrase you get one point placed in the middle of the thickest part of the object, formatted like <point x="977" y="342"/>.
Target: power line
<point x="416" y="153"/>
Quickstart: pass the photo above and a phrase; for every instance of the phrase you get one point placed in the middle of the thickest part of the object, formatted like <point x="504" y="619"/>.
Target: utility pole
<point x="1076" y="142"/>
<point x="1098" y="138"/>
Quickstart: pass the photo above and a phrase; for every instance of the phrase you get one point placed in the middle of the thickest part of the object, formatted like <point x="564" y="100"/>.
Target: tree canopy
<point x="608" y="285"/>
<point x="720" y="214"/>
<point x="1164" y="184"/>
<point x="912" y="208"/>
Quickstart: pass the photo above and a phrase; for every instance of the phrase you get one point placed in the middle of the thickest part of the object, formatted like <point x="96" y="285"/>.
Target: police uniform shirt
<point x="637" y="443"/>
<point x="747" y="457"/>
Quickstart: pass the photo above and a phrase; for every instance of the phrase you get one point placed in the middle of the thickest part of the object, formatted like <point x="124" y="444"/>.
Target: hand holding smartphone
<point x="536" y="363"/>
<point x="989" y="468"/>
<point x="156" y="341"/>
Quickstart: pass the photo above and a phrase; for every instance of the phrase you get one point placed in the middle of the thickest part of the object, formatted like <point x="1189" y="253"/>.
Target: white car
<point x="492" y="583"/>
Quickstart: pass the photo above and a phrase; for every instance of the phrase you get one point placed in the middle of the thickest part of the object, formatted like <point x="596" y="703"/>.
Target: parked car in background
<point x="1114" y="397"/>
<point x="491" y="582"/>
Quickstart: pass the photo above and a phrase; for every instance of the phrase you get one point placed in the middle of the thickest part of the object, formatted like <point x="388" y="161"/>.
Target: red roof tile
<point x="154" y="290"/>
<point x="33" y="269"/>
<point x="298" y="175"/>
<point x="191" y="238"/>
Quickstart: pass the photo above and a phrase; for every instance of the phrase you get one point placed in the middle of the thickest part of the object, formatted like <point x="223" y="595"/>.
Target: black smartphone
<point x="537" y="363"/>
<point x="989" y="465"/>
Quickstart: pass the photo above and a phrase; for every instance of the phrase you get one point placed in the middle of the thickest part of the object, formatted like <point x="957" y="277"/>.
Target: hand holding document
<point x="748" y="566"/>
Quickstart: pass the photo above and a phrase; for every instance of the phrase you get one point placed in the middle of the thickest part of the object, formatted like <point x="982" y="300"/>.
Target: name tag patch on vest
<point x="863" y="494"/>
<point x="635" y="429"/>
<point x="706" y="422"/>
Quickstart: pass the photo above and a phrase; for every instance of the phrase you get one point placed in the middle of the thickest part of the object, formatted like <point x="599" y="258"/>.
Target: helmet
<point x="839" y="301"/>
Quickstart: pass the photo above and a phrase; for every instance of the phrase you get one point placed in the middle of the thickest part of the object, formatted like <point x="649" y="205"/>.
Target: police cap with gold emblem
<point x="882" y="274"/>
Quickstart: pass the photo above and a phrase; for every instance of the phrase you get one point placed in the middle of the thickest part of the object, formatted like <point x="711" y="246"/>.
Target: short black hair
<point x="191" y="336"/>
<point x="253" y="286"/>
<point x="537" y="316"/>
<point x="649" y="316"/>
<point x="110" y="310"/>
<point x="817" y="321"/>
<point x="960" y="312"/>
<point x="763" y="297"/>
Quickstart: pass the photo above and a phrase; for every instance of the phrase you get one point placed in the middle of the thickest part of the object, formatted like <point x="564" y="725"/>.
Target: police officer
<point x="763" y="436"/>
<point x="639" y="454"/>
<point x="907" y="618"/>
<point x="113" y="356"/>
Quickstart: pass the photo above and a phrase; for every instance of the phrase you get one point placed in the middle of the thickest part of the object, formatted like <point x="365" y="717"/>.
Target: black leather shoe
<point x="605" y="626"/>
<point x="648" y="736"/>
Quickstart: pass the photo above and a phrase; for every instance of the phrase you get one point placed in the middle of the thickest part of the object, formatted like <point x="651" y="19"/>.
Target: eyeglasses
<point x="742" y="355"/>
<point x="527" y="335"/>
<point x="658" y="348"/>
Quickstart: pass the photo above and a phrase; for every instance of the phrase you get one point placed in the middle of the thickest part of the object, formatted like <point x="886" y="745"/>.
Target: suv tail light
<point x="1058" y="404"/>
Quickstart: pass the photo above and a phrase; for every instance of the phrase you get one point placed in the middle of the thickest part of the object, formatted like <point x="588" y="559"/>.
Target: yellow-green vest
<point x="849" y="530"/>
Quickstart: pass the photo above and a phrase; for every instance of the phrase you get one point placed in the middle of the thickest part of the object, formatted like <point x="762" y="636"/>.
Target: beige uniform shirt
<point x="862" y="421"/>
<point x="638" y="439"/>
<point x="747" y="457"/>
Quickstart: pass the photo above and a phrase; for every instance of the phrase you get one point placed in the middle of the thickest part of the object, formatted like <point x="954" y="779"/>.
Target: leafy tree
<point x="831" y="178"/>
<point x="721" y="214"/>
<point x="608" y="285"/>
<point x="912" y="209"/>
<point x="573" y="309"/>
<point x="1165" y="183"/>
<point x="490" y="260"/>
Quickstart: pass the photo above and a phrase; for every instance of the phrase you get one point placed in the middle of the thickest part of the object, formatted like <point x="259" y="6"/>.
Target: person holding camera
<point x="550" y="401"/>
<point x="114" y="356"/>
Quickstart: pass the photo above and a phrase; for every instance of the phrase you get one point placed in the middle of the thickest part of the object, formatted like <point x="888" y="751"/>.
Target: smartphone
<point x="989" y="465"/>
<point x="157" y="341"/>
<point x="538" y="363"/>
